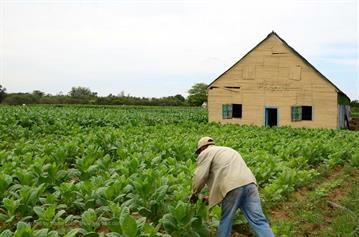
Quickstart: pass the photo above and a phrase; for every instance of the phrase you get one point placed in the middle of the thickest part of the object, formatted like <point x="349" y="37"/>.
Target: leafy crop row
<point x="126" y="171"/>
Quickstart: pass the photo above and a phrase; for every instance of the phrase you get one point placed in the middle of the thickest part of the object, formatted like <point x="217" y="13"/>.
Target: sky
<point x="156" y="48"/>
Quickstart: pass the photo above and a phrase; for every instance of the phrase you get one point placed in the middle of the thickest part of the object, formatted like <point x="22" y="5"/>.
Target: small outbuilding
<point x="273" y="85"/>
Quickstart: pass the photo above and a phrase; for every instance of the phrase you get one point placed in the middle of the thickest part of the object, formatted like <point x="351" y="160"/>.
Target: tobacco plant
<point x="126" y="171"/>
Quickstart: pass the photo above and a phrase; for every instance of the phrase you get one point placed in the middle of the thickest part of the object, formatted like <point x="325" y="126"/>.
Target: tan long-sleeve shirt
<point x="222" y="169"/>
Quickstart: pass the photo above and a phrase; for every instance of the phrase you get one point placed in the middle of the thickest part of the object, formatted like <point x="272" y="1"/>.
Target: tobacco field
<point x="126" y="171"/>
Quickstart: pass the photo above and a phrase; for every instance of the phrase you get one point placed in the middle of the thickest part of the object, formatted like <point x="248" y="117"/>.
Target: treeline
<point x="83" y="95"/>
<point x="354" y="105"/>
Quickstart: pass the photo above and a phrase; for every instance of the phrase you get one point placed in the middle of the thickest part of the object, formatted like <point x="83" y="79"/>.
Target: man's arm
<point x="201" y="175"/>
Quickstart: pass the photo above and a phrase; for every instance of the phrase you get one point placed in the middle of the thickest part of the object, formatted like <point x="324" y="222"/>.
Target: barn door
<point x="271" y="117"/>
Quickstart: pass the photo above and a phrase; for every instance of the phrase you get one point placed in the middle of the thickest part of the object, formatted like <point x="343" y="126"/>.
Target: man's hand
<point x="193" y="198"/>
<point x="205" y="199"/>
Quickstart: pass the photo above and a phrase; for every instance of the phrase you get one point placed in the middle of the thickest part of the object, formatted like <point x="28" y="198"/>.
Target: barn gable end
<point x="273" y="76"/>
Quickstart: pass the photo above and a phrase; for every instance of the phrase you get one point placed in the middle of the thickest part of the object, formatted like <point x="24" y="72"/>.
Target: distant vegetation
<point x="83" y="95"/>
<point x="2" y="93"/>
<point x="198" y="94"/>
<point x="355" y="108"/>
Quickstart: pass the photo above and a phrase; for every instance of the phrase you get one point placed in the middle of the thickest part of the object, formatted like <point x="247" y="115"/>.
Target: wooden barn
<point x="273" y="85"/>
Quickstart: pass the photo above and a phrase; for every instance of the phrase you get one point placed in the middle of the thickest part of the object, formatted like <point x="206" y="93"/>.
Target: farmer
<point x="231" y="183"/>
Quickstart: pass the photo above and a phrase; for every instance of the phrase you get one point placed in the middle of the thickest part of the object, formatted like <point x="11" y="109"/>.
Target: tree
<point x="20" y="98"/>
<point x="121" y="94"/>
<point x="197" y="94"/>
<point x="354" y="108"/>
<point x="354" y="103"/>
<point x="2" y="93"/>
<point x="38" y="93"/>
<point x="180" y="98"/>
<point x="82" y="92"/>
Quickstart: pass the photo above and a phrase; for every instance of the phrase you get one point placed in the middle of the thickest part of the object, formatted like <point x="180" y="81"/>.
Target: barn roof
<point x="294" y="51"/>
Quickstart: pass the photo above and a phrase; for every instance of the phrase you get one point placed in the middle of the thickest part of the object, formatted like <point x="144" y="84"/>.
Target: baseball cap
<point x="203" y="142"/>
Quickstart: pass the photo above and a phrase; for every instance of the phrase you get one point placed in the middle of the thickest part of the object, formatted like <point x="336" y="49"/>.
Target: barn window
<point x="301" y="113"/>
<point x="232" y="111"/>
<point x="306" y="112"/>
<point x="296" y="113"/>
<point x="237" y="111"/>
<point x="227" y="111"/>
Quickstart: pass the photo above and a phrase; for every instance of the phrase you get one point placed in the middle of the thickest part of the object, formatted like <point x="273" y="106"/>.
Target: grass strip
<point x="312" y="214"/>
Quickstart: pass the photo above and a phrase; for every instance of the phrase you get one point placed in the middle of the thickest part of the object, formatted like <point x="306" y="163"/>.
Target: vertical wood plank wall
<point x="272" y="75"/>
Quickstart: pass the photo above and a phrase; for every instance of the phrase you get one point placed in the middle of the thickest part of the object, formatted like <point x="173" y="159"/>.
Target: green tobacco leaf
<point x="59" y="214"/>
<point x="5" y="181"/>
<point x="76" y="231"/>
<point x="73" y="232"/>
<point x="113" y="234"/>
<point x="11" y="219"/>
<point x="89" y="219"/>
<point x="53" y="234"/>
<point x="169" y="223"/>
<point x="6" y="233"/>
<point x="180" y="211"/>
<point x="10" y="205"/>
<point x="38" y="210"/>
<point x="49" y="213"/>
<point x="129" y="226"/>
<point x="3" y="217"/>
<point x="203" y="211"/>
<point x="199" y="228"/>
<point x="41" y="233"/>
<point x="23" y="230"/>
<point x="91" y="234"/>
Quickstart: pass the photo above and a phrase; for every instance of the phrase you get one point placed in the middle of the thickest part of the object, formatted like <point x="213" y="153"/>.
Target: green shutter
<point x="296" y="113"/>
<point x="227" y="111"/>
